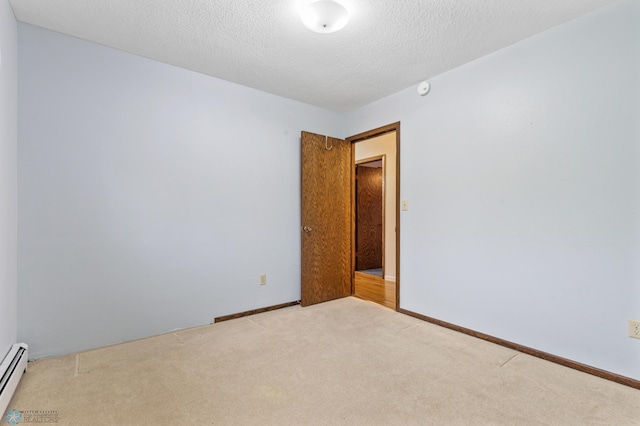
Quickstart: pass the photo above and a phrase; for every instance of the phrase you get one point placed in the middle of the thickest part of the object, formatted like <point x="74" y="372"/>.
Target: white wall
<point x="8" y="176"/>
<point x="522" y="171"/>
<point x="150" y="197"/>
<point x="385" y="145"/>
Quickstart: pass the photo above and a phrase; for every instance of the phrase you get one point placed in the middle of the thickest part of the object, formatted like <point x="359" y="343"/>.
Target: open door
<point x="326" y="218"/>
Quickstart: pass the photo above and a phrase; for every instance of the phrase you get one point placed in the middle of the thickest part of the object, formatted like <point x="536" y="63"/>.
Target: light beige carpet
<point x="345" y="362"/>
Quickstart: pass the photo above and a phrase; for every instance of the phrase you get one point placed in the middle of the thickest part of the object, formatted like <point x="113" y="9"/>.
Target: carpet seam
<point x="509" y="360"/>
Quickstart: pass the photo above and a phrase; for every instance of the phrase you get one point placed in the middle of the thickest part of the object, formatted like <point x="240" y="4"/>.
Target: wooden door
<point x="326" y="219"/>
<point x="369" y="214"/>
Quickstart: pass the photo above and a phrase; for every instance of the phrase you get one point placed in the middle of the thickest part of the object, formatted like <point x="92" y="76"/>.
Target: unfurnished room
<point x="319" y="212"/>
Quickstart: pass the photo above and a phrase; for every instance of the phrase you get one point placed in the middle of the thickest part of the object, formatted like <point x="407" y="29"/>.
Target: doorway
<point x="327" y="216"/>
<point x="369" y="215"/>
<point x="374" y="212"/>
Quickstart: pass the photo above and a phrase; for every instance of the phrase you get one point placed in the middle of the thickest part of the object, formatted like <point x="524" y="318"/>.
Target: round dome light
<point x="324" y="16"/>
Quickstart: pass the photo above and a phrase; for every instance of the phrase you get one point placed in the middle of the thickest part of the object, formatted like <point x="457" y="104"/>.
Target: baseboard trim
<point x="627" y="381"/>
<point x="255" y="311"/>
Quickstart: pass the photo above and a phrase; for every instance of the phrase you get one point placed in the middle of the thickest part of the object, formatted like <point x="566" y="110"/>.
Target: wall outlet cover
<point x="634" y="329"/>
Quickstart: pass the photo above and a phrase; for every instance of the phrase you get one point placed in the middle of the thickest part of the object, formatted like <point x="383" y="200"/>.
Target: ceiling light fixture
<point x="324" y="16"/>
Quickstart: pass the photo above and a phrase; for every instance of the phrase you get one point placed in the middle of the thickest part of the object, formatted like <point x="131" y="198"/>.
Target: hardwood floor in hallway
<point x="375" y="289"/>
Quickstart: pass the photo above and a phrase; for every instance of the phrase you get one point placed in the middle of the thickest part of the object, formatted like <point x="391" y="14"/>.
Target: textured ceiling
<point x="387" y="46"/>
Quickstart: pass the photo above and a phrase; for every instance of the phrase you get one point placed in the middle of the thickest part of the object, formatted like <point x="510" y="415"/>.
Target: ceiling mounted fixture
<point x="423" y="88"/>
<point x="324" y="16"/>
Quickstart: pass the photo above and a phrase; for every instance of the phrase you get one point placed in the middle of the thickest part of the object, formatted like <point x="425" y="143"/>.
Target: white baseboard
<point x="390" y="278"/>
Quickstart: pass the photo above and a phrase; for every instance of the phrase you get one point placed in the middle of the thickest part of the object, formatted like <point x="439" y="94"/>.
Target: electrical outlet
<point x="634" y="329"/>
<point x="263" y="279"/>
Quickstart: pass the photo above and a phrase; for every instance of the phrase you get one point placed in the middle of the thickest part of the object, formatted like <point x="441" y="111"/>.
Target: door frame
<point x="393" y="127"/>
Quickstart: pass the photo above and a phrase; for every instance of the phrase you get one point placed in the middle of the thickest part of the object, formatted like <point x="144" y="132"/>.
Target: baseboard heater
<point x="11" y="369"/>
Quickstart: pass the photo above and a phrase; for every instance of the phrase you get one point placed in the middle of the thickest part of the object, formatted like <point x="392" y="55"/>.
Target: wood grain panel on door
<point x="369" y="216"/>
<point x="326" y="219"/>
